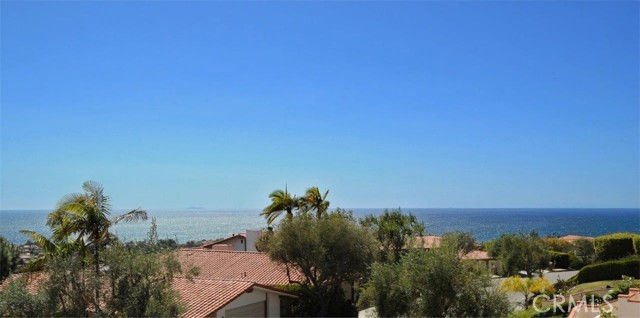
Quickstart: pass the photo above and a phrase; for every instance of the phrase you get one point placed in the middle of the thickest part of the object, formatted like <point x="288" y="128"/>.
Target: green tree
<point x="84" y="218"/>
<point x="584" y="250"/>
<point x="315" y="201"/>
<point x="9" y="258"/>
<point x="394" y="230"/>
<point x="16" y="301"/>
<point x="460" y="242"/>
<point x="281" y="202"/>
<point x="433" y="283"/>
<point x="326" y="251"/>
<point x="520" y="252"/>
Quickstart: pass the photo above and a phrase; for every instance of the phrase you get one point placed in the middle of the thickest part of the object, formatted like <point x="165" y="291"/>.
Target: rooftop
<point x="231" y="265"/>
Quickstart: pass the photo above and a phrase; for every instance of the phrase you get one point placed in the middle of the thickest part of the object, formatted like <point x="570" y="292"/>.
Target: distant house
<point x="490" y="263"/>
<point x="245" y="241"/>
<point x="573" y="238"/>
<point x="427" y="241"/>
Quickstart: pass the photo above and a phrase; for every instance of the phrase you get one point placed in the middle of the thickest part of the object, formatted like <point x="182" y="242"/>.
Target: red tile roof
<point x="573" y="238"/>
<point x="231" y="265"/>
<point x="428" y="241"/>
<point x="34" y="280"/>
<point x="203" y="297"/>
<point x="478" y="255"/>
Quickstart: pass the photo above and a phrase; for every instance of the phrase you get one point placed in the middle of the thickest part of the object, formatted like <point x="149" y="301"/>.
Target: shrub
<point x="609" y="270"/>
<point x="559" y="259"/>
<point x="576" y="262"/>
<point x="615" y="246"/>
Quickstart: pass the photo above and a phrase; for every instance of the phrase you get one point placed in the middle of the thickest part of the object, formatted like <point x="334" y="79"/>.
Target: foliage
<point x="306" y="306"/>
<point x="527" y="287"/>
<point x="519" y="252"/>
<point x="614" y="246"/>
<point x="460" y="242"/>
<point x="9" y="258"/>
<point x="140" y="282"/>
<point x="433" y="283"/>
<point x="559" y="259"/>
<point x="557" y="245"/>
<point x="629" y="266"/>
<point x="16" y="301"/>
<point x="394" y="231"/>
<point x="584" y="249"/>
<point x="622" y="287"/>
<point x="281" y="202"/>
<point x="576" y="262"/>
<point x="327" y="251"/>
<point x="314" y="201"/>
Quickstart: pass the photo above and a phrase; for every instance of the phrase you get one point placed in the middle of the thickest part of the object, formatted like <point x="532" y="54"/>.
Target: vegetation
<point x="609" y="270"/>
<point x="433" y="283"/>
<point x="527" y="287"/>
<point x="394" y="231"/>
<point x="88" y="271"/>
<point x="520" y="252"/>
<point x="327" y="251"/>
<point x="615" y="246"/>
<point x="281" y="202"/>
<point x="584" y="250"/>
<point x="9" y="258"/>
<point x="314" y="201"/>
<point x="559" y="259"/>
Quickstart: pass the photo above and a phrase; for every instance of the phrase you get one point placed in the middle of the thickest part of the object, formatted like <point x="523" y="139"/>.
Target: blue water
<point x="485" y="224"/>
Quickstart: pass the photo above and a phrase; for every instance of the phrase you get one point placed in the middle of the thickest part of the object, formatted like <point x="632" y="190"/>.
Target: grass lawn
<point x="598" y="285"/>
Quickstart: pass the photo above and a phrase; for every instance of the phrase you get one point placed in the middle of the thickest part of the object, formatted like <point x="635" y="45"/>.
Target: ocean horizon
<point x="207" y="224"/>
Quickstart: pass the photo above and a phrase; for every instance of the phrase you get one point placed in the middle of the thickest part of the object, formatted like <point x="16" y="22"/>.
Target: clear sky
<point x="412" y="104"/>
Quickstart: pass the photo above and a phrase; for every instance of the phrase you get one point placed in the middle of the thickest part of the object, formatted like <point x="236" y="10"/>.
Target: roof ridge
<point x="219" y="251"/>
<point x="219" y="280"/>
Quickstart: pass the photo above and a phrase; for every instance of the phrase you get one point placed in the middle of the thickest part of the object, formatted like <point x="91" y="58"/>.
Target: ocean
<point x="485" y="224"/>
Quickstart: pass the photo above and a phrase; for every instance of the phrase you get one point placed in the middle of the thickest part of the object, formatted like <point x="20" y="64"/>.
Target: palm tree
<point x="81" y="218"/>
<point x="281" y="201"/>
<point x="313" y="200"/>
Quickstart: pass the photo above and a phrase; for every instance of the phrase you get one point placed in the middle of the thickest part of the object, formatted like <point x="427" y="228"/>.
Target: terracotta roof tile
<point x="428" y="241"/>
<point x="478" y="255"/>
<point x="573" y="238"/>
<point x="231" y="265"/>
<point x="203" y="297"/>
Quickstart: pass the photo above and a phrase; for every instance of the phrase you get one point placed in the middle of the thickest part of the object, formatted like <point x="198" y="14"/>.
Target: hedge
<point x="610" y="270"/>
<point x="559" y="259"/>
<point x="617" y="245"/>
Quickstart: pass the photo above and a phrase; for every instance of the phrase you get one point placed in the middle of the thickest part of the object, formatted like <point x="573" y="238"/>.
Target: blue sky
<point x="412" y="104"/>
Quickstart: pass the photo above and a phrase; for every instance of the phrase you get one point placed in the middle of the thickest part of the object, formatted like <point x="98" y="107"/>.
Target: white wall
<point x="273" y="302"/>
<point x="252" y="238"/>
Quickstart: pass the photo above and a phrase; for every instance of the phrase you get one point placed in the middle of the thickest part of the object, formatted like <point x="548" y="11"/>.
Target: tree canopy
<point x="327" y="251"/>
<point x="520" y="252"/>
<point x="394" y="230"/>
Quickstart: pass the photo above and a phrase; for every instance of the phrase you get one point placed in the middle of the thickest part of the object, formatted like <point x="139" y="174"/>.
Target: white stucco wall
<point x="273" y="303"/>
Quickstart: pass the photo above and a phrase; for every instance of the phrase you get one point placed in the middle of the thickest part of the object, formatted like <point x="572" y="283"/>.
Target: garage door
<point x="252" y="310"/>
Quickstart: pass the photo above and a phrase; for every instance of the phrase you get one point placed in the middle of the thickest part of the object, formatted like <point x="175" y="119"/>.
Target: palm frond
<point x="131" y="216"/>
<point x="43" y="242"/>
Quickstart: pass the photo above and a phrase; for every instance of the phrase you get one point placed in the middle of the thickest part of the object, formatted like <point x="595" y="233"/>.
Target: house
<point x="236" y="242"/>
<point x="490" y="263"/>
<point x="427" y="241"/>
<point x="233" y="283"/>
<point x="228" y="298"/>
<point x="573" y="238"/>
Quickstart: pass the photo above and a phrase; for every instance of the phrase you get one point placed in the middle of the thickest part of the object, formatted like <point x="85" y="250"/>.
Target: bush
<point x="559" y="259"/>
<point x="610" y="270"/>
<point x="615" y="246"/>
<point x="575" y="262"/>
